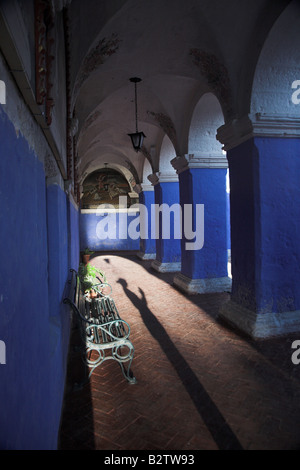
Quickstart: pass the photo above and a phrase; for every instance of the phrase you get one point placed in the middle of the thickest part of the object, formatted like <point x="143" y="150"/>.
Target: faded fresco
<point x="104" y="186"/>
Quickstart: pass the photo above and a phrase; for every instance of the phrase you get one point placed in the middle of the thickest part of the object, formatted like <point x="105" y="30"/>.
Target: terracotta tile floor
<point x="200" y="385"/>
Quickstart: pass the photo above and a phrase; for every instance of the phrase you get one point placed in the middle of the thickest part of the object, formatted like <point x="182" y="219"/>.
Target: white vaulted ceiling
<point x="114" y="40"/>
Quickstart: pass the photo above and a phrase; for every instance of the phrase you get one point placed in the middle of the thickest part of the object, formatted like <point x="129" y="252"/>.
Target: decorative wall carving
<point x="70" y="135"/>
<point x="166" y="125"/>
<point x="90" y="120"/>
<point x="72" y="121"/>
<point x="216" y="75"/>
<point x="97" y="56"/>
<point x="44" y="41"/>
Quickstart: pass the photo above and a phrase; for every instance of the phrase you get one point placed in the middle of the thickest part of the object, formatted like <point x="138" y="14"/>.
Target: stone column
<point x="147" y="245"/>
<point x="264" y="165"/>
<point x="202" y="181"/>
<point x="168" y="249"/>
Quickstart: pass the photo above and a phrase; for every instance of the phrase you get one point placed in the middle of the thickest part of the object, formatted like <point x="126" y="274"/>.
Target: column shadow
<point x="212" y="417"/>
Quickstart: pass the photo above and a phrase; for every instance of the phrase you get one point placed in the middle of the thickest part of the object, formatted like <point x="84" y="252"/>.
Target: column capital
<point x="240" y="130"/>
<point x="235" y="132"/>
<point x="153" y="178"/>
<point x="156" y="178"/>
<point x="136" y="189"/>
<point x="185" y="162"/>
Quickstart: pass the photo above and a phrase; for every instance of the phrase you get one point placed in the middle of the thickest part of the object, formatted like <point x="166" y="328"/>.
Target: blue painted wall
<point x="34" y="329"/>
<point x="206" y="186"/>
<point x="265" y="224"/>
<point x="115" y="224"/>
<point x="167" y="250"/>
<point x="57" y="221"/>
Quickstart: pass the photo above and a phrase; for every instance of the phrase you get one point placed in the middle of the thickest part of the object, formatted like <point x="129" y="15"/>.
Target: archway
<point x="263" y="151"/>
<point x="202" y="177"/>
<point x="107" y="210"/>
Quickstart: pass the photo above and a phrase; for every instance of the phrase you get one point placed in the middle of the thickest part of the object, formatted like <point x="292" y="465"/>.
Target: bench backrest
<point x="75" y="297"/>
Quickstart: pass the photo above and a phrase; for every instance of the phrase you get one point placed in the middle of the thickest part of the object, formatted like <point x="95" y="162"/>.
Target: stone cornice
<point x="258" y="125"/>
<point x="186" y="162"/>
<point x="278" y="125"/>
<point x="147" y="187"/>
<point x="168" y="177"/>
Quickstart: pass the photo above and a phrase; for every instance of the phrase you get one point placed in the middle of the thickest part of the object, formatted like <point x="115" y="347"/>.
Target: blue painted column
<point x="265" y="227"/>
<point x="204" y="259"/>
<point x="147" y="244"/>
<point x="168" y="245"/>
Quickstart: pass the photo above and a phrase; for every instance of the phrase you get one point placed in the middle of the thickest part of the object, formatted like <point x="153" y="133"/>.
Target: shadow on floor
<point x="215" y="422"/>
<point x="276" y="350"/>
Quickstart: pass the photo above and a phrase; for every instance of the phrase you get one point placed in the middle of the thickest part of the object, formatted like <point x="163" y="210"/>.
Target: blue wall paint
<point x="206" y="186"/>
<point x="148" y="245"/>
<point x="265" y="218"/>
<point x="32" y="380"/>
<point x="117" y="223"/>
<point x="57" y="220"/>
<point x="167" y="250"/>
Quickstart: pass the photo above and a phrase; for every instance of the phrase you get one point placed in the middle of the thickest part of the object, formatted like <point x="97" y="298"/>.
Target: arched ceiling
<point x="173" y="46"/>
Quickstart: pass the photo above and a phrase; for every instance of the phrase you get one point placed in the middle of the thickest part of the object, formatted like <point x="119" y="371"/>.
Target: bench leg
<point x="124" y="359"/>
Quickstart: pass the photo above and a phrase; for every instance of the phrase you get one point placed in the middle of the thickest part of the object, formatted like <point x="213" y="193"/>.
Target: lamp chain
<point x="136" y="115"/>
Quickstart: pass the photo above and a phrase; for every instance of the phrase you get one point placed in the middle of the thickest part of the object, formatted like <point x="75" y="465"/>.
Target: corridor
<point x="200" y="385"/>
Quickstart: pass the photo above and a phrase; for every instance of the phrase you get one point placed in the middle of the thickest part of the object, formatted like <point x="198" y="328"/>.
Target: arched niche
<point x="278" y="67"/>
<point x="105" y="186"/>
<point x="206" y="119"/>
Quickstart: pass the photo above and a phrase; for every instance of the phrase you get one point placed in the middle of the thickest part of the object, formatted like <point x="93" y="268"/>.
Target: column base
<point x="202" y="286"/>
<point x="260" y="326"/>
<point x="146" y="256"/>
<point x="166" y="267"/>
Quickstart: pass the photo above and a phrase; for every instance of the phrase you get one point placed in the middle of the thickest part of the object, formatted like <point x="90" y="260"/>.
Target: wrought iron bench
<point x="104" y="334"/>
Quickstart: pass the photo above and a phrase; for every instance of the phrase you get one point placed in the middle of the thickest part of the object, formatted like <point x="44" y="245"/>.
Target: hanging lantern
<point x="137" y="137"/>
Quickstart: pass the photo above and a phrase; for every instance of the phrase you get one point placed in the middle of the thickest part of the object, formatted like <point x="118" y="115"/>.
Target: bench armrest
<point x="102" y="285"/>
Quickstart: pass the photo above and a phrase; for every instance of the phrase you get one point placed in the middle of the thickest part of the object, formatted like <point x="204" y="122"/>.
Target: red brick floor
<point x="200" y="385"/>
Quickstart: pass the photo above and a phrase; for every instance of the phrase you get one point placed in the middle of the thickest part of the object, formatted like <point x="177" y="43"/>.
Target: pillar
<point x="168" y="247"/>
<point x="264" y="166"/>
<point x="202" y="182"/>
<point x="147" y="244"/>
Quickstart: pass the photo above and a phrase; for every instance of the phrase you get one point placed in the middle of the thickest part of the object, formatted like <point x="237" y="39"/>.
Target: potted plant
<point x="86" y="255"/>
<point x="90" y="276"/>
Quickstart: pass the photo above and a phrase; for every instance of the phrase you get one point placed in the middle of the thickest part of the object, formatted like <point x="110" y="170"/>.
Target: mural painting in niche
<point x="105" y="186"/>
